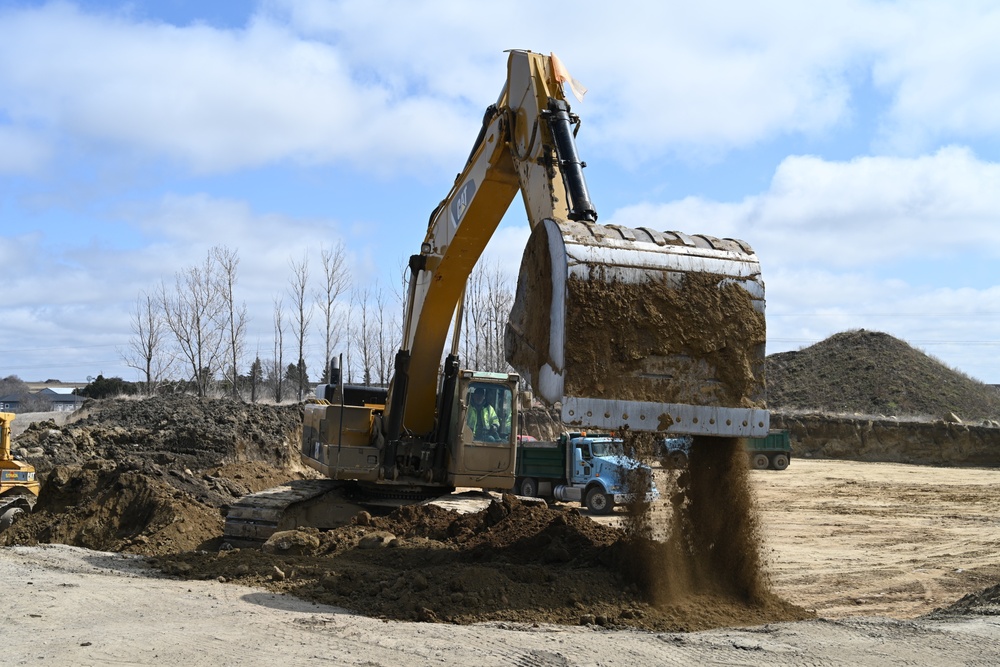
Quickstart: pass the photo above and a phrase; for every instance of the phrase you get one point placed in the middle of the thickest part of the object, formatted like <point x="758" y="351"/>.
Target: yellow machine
<point x="673" y="339"/>
<point x="18" y="486"/>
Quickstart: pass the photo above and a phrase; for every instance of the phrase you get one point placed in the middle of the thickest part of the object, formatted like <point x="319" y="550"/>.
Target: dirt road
<point x="851" y="540"/>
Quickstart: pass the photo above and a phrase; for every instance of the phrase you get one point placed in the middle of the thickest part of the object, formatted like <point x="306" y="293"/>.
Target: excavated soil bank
<point x="152" y="476"/>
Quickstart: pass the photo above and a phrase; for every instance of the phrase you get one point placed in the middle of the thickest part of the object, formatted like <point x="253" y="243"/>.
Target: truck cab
<point x="591" y="470"/>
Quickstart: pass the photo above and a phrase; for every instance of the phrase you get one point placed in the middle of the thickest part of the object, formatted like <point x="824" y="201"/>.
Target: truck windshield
<point x="606" y="447"/>
<point x="489" y="412"/>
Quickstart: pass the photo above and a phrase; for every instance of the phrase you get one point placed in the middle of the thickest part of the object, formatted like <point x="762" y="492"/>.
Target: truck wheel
<point x="759" y="461"/>
<point x="779" y="462"/>
<point x="678" y="459"/>
<point x="529" y="487"/>
<point x="599" y="502"/>
<point x="8" y="518"/>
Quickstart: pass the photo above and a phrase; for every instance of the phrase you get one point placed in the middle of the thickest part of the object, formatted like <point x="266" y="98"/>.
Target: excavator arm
<point x="514" y="152"/>
<point x="659" y="331"/>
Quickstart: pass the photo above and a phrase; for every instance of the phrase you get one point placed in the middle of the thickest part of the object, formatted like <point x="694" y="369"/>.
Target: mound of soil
<point x="981" y="603"/>
<point x="112" y="507"/>
<point x="153" y="476"/>
<point x="184" y="431"/>
<point x="872" y="373"/>
<point x="512" y="562"/>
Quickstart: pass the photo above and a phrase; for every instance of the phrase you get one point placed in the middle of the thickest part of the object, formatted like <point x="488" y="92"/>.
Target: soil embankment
<point x="936" y="443"/>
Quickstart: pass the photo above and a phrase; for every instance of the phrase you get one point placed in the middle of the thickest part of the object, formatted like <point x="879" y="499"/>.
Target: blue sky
<point x="852" y="144"/>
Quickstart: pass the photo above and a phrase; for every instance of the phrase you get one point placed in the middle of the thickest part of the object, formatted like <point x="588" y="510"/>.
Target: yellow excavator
<point x="619" y="326"/>
<point x="18" y="486"/>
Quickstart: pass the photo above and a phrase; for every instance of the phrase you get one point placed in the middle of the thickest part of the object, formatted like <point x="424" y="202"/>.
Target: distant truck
<point x="773" y="451"/>
<point x="590" y="470"/>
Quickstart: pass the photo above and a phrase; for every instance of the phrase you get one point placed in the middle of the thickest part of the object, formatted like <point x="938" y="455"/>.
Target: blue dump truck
<point x="590" y="470"/>
<point x="773" y="451"/>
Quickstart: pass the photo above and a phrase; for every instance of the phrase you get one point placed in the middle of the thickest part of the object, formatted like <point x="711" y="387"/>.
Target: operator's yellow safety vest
<point x="480" y="419"/>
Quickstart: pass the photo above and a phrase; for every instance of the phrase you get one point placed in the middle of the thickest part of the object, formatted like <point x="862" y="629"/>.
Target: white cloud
<point x="870" y="209"/>
<point x="939" y="63"/>
<point x="660" y="74"/>
<point x="213" y="99"/>
<point x="388" y="86"/>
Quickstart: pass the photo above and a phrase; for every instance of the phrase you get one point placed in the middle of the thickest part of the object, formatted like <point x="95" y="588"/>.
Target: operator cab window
<point x="488" y="412"/>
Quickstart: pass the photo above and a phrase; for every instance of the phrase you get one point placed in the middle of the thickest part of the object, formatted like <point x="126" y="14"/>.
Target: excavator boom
<point x="659" y="331"/>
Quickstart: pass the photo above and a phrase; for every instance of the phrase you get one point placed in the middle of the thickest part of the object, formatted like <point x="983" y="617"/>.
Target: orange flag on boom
<point x="563" y="77"/>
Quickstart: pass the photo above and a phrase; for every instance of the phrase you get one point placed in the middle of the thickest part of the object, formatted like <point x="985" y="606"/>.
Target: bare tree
<point x="335" y="282"/>
<point x="387" y="335"/>
<point x="276" y="371"/>
<point x="499" y="300"/>
<point x="298" y="284"/>
<point x="363" y="333"/>
<point x="489" y="296"/>
<point x="235" y="322"/>
<point x="192" y="314"/>
<point x="147" y="348"/>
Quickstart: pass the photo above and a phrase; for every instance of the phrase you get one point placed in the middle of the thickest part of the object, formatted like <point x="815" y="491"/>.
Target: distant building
<point x="56" y="400"/>
<point x="62" y="399"/>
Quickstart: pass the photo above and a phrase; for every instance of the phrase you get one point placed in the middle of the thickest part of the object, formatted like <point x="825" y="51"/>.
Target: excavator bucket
<point x="656" y="331"/>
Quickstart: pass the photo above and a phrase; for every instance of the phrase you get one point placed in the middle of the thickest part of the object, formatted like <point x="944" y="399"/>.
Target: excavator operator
<point x="482" y="418"/>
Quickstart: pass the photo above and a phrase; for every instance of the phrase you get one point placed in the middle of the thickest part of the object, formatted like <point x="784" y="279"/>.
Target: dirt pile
<point x="116" y="507"/>
<point x="183" y="431"/>
<point x="152" y="476"/>
<point x="511" y="562"/>
<point x="981" y="603"/>
<point x="873" y="373"/>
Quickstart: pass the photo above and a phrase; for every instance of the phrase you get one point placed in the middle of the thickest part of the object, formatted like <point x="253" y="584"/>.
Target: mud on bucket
<point x="660" y="331"/>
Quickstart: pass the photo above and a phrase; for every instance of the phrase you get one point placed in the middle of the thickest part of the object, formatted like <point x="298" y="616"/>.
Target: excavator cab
<point x="483" y="454"/>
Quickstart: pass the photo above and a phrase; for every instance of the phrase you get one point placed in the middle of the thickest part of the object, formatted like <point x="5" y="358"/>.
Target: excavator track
<point x="319" y="503"/>
<point x="14" y="507"/>
<point x="327" y="504"/>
